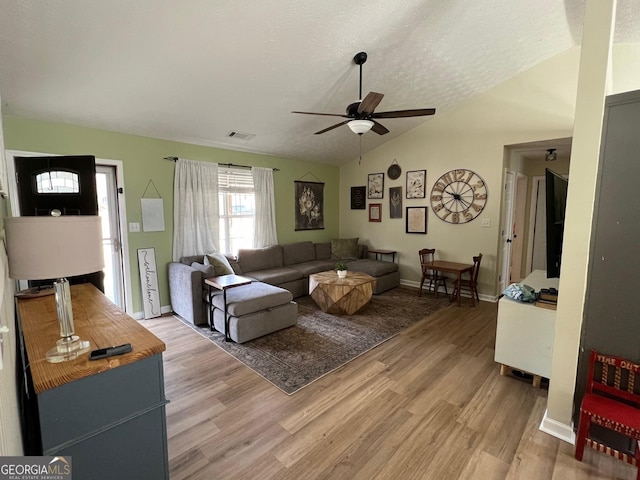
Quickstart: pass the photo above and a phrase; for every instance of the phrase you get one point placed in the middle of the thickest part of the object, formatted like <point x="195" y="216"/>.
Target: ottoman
<point x="255" y="310"/>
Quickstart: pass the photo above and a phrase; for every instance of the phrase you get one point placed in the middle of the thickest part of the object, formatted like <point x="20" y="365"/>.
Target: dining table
<point x="451" y="267"/>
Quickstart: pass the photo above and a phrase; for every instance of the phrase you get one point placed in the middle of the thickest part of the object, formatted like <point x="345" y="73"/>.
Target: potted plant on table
<point x="341" y="268"/>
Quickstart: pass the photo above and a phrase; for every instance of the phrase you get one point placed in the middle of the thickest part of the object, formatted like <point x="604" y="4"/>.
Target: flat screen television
<point x="556" y="200"/>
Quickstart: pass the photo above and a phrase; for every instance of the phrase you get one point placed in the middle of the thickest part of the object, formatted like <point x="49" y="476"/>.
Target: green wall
<point x="143" y="160"/>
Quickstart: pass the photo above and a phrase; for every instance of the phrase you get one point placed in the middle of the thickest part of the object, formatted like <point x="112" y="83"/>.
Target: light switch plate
<point x="485" y="222"/>
<point x="134" y="227"/>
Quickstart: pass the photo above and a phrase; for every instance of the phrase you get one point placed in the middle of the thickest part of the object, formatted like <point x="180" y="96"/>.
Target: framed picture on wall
<point x="375" y="186"/>
<point x="375" y="212"/>
<point x="309" y="205"/>
<point x="395" y="202"/>
<point x="416" y="219"/>
<point x="358" y="198"/>
<point x="416" y="180"/>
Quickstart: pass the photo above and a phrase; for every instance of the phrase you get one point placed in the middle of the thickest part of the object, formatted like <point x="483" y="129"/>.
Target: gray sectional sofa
<point x="287" y="266"/>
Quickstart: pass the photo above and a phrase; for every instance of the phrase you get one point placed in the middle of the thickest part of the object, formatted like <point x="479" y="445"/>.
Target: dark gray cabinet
<point x="611" y="321"/>
<point x="109" y="414"/>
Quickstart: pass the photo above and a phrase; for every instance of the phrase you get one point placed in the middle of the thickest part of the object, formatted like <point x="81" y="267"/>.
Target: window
<point x="237" y="209"/>
<point x="57" y="182"/>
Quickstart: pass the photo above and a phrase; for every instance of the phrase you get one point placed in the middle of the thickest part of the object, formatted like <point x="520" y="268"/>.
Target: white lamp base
<point x="67" y="348"/>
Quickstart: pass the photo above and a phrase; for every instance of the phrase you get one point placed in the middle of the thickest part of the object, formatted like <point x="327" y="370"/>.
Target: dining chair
<point x="611" y="401"/>
<point x="427" y="255"/>
<point x="470" y="284"/>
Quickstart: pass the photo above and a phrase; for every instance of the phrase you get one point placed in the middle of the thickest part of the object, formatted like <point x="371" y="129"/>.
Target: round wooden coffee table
<point x="341" y="295"/>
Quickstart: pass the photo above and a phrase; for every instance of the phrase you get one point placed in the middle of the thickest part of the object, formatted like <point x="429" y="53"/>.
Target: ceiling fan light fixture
<point x="551" y="155"/>
<point x="360" y="126"/>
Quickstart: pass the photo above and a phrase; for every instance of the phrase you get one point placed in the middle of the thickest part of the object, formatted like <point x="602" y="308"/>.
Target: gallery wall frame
<point x="416" y="181"/>
<point x="309" y="205"/>
<point x="395" y="202"/>
<point x="359" y="198"/>
<point x="375" y="212"/>
<point x="375" y="186"/>
<point x="417" y="220"/>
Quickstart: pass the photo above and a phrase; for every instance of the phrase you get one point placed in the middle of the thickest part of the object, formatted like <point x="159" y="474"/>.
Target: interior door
<point x="507" y="229"/>
<point x="63" y="183"/>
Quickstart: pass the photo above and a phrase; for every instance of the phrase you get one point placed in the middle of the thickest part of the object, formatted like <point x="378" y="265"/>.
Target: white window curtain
<point x="265" y="224"/>
<point x="195" y="210"/>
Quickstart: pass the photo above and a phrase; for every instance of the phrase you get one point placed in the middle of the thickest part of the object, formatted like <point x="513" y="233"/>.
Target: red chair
<point x="612" y="402"/>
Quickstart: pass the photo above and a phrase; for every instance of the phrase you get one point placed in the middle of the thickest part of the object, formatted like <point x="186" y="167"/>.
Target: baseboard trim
<point x="559" y="430"/>
<point x="140" y="315"/>
<point x="484" y="298"/>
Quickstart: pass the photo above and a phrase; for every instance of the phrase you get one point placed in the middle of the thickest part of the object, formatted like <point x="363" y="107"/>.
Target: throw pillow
<point x="207" y="271"/>
<point x="220" y="262"/>
<point x="344" y="248"/>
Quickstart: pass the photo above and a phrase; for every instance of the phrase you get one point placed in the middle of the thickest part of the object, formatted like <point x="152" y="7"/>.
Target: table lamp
<point x="40" y="248"/>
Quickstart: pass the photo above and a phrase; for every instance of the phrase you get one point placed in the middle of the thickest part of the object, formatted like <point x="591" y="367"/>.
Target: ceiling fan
<point x="361" y="116"/>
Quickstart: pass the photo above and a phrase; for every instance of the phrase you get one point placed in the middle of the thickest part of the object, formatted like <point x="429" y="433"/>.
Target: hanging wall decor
<point x="395" y="202"/>
<point x="416" y="219"/>
<point x="376" y="185"/>
<point x="375" y="212"/>
<point x="309" y="205"/>
<point x="358" y="198"/>
<point x="152" y="211"/>
<point x="416" y="180"/>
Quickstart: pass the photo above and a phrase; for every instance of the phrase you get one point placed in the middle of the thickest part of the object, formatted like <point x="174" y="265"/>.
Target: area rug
<point x="294" y="357"/>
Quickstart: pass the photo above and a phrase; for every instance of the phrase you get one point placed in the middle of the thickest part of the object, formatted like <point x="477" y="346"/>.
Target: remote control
<point x="110" y="351"/>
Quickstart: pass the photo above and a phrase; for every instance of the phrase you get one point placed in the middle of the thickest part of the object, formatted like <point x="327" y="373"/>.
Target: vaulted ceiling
<point x="195" y="70"/>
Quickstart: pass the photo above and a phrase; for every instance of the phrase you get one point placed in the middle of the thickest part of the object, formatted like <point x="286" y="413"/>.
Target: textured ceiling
<point x="193" y="70"/>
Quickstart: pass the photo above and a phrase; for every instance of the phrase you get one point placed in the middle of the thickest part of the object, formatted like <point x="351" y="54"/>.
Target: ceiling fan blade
<point x="325" y="114"/>
<point x="370" y="102"/>
<point x="420" y="112"/>
<point x="332" y="127"/>
<point x="379" y="128"/>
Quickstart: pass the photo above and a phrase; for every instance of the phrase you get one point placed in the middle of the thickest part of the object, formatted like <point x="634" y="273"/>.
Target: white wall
<point x="535" y="105"/>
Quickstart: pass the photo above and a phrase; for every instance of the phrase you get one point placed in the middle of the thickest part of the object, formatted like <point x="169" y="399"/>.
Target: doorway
<point x="112" y="210"/>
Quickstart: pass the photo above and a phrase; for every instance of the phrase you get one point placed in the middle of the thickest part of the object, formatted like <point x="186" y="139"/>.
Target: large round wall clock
<point x="458" y="196"/>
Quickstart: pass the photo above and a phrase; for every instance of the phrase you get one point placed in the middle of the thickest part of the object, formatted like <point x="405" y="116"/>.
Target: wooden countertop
<point x="97" y="320"/>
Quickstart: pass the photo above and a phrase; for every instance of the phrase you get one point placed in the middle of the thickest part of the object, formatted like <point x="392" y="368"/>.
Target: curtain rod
<point x="175" y="159"/>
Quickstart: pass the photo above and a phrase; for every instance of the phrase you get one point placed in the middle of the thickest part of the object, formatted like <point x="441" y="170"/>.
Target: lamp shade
<point x="360" y="126"/>
<point x="40" y="248"/>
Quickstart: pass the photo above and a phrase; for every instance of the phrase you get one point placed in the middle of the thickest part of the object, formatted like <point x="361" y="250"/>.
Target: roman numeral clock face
<point x="458" y="196"/>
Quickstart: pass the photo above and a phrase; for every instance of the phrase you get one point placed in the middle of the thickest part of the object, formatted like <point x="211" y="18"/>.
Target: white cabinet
<point x="524" y="334"/>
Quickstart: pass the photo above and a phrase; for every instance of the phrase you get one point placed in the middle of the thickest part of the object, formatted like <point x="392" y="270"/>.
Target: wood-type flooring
<point x="427" y="404"/>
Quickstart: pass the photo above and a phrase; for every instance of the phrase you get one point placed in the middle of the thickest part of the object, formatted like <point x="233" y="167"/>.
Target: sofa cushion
<point x="307" y="268"/>
<point x="323" y="251"/>
<point x="375" y="268"/>
<point x="275" y="276"/>
<point x="252" y="298"/>
<point x="298" y="252"/>
<point x="252" y="259"/>
<point x="220" y="262"/>
<point x="344" y="248"/>
<point x="206" y="270"/>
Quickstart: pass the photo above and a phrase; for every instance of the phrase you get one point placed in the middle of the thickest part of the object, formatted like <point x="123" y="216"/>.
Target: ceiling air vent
<point x="240" y="135"/>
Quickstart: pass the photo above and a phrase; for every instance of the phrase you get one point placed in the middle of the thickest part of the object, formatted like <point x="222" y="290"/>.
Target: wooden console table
<point x="108" y="414"/>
